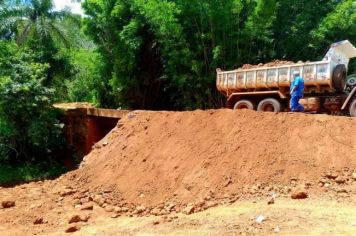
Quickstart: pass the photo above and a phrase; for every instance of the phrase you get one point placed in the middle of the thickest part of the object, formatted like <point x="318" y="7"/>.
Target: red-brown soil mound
<point x="155" y="157"/>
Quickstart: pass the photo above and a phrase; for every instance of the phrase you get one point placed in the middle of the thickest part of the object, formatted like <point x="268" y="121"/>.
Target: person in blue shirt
<point x="296" y="92"/>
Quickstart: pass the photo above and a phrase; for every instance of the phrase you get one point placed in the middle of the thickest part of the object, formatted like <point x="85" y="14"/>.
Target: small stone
<point x="76" y="202"/>
<point x="156" y="222"/>
<point x="276" y="230"/>
<point x="332" y="175"/>
<point x="340" y="180"/>
<point x="299" y="194"/>
<point x="197" y="209"/>
<point x="286" y="189"/>
<point x="155" y="211"/>
<point x="342" y="190"/>
<point x="109" y="208"/>
<point x="188" y="210"/>
<point x="87" y="207"/>
<point x="38" y="221"/>
<point x="84" y="190"/>
<point x="7" y="204"/>
<point x="115" y="215"/>
<point x="72" y="229"/>
<point x="270" y="201"/>
<point x="140" y="209"/>
<point x="354" y="176"/>
<point x="97" y="198"/>
<point x="124" y="209"/>
<point x="308" y="185"/>
<point x="211" y="204"/>
<point x="78" y="218"/>
<point x="171" y="206"/>
<point x="84" y="200"/>
<point x="117" y="209"/>
<point x="96" y="146"/>
<point x="163" y="212"/>
<point x="66" y="192"/>
<point x="101" y="203"/>
<point x="260" y="219"/>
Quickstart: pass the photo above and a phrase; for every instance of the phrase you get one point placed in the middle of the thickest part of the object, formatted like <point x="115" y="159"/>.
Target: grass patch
<point x="29" y="172"/>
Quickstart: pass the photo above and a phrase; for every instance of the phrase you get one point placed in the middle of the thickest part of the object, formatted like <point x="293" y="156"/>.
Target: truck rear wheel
<point x="339" y="78"/>
<point x="353" y="108"/>
<point x="269" y="105"/>
<point x="244" y="104"/>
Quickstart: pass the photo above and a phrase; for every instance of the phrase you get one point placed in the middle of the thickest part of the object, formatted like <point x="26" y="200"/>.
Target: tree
<point x="35" y="18"/>
<point x="259" y="29"/>
<point x="48" y="33"/>
<point x="28" y="122"/>
<point x="338" y="25"/>
<point x="148" y="38"/>
<point x="86" y="84"/>
<point x="295" y="20"/>
<point x="163" y="54"/>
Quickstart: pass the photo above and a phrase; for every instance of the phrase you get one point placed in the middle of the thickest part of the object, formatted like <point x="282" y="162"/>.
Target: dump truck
<point x="267" y="88"/>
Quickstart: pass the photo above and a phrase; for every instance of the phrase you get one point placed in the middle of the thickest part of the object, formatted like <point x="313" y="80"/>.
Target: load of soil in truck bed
<point x="269" y="64"/>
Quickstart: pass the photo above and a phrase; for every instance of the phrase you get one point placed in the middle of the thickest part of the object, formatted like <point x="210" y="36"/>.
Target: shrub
<point x="29" y="128"/>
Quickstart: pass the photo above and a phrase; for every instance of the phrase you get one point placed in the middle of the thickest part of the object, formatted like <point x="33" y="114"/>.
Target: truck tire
<point x="269" y="105"/>
<point x="339" y="78"/>
<point x="244" y="104"/>
<point x="352" y="108"/>
<point x="351" y="81"/>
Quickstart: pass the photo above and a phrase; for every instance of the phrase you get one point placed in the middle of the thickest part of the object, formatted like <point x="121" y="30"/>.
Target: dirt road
<point x="315" y="216"/>
<point x="286" y="217"/>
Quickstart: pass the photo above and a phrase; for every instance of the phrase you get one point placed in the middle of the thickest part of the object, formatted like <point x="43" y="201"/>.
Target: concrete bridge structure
<point x="85" y="125"/>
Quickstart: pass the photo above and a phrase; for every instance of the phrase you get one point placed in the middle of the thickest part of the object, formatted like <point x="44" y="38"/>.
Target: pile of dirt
<point x="177" y="159"/>
<point x="269" y="64"/>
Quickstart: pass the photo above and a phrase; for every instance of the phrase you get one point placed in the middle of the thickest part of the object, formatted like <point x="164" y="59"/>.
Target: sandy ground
<point x="285" y="217"/>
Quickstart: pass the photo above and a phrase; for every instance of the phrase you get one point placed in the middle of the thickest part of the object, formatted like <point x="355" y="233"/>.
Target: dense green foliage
<point x="163" y="54"/>
<point x="86" y="84"/>
<point x="34" y="24"/>
<point x="10" y="174"/>
<point x="28" y="122"/>
<point x="32" y="61"/>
